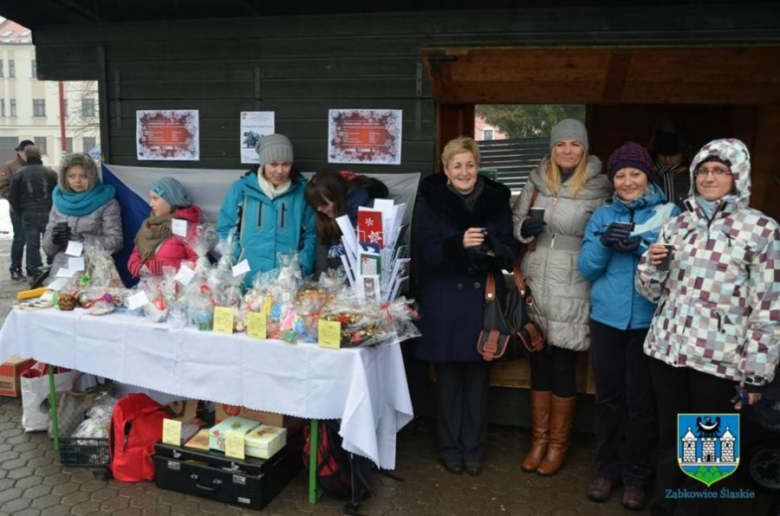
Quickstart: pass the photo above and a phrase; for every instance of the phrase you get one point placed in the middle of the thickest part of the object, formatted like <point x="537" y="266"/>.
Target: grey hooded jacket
<point x="561" y="293"/>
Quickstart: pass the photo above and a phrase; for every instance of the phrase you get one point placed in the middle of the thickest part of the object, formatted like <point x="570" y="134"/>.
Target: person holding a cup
<point x="568" y="186"/>
<point x="83" y="210"/>
<point x="616" y="237"/>
<point x="717" y="325"/>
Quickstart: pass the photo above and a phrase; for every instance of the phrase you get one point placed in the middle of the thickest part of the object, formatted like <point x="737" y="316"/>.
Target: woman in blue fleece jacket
<point x="267" y="212"/>
<point x="620" y="319"/>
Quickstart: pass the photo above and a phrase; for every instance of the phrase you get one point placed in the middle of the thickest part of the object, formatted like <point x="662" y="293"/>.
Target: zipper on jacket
<point x="284" y="212"/>
<point x="552" y="245"/>
<point x="259" y="214"/>
<point x="720" y="322"/>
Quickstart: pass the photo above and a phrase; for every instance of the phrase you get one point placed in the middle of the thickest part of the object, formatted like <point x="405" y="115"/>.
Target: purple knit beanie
<point x="631" y="155"/>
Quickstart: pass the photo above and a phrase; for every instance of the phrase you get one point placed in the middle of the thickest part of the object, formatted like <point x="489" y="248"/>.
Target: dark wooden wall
<point x="301" y="66"/>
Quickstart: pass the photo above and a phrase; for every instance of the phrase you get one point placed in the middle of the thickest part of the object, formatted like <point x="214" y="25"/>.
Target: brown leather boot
<point x="540" y="429"/>
<point x="562" y="414"/>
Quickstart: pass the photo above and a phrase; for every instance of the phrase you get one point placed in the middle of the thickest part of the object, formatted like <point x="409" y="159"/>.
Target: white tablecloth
<point x="366" y="388"/>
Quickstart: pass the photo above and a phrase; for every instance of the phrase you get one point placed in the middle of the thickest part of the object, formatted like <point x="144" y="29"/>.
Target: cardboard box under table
<point x="250" y="483"/>
<point x="9" y="375"/>
<point x="264" y="441"/>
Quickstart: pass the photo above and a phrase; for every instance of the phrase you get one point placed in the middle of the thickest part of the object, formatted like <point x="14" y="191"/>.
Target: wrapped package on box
<point x="292" y="424"/>
<point x="217" y="433"/>
<point x="264" y="441"/>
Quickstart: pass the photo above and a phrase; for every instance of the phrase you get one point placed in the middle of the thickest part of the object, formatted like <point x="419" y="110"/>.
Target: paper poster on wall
<point x="368" y="136"/>
<point x="172" y="135"/>
<point x="254" y="125"/>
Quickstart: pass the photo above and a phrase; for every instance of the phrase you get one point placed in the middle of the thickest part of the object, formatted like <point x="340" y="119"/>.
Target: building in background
<point x="486" y="132"/>
<point x="30" y="108"/>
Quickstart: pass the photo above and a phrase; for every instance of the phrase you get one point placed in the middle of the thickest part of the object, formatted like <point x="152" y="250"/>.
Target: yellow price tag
<point x="234" y="444"/>
<point x="255" y="325"/>
<point x="268" y="303"/>
<point x="223" y="319"/>
<point x="329" y="334"/>
<point x="172" y="432"/>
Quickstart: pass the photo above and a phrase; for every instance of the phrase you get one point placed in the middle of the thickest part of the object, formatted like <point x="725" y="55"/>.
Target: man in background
<point x="30" y="196"/>
<point x="17" y="246"/>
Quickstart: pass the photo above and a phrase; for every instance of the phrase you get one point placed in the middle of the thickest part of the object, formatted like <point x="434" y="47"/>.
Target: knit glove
<point x="613" y="234"/>
<point x="629" y="245"/>
<point x="531" y="228"/>
<point x="60" y="236"/>
<point x="154" y="265"/>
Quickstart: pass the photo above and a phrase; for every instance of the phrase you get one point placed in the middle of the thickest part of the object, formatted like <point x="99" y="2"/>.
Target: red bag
<point x="136" y="426"/>
<point x="333" y="464"/>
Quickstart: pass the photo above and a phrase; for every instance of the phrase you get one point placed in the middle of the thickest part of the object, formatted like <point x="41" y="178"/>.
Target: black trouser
<point x="462" y="393"/>
<point x="553" y="369"/>
<point x="687" y="391"/>
<point x="34" y="223"/>
<point x="623" y="382"/>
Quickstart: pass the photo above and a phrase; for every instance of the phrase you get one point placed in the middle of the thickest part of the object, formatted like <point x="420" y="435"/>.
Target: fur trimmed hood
<point x="451" y="208"/>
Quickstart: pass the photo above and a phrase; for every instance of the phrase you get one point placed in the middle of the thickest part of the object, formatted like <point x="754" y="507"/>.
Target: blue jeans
<point x="17" y="246"/>
<point x="34" y="223"/>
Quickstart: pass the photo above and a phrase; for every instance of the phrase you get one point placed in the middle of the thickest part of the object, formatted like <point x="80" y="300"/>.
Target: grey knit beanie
<point x="173" y="192"/>
<point x="274" y="147"/>
<point x="569" y="129"/>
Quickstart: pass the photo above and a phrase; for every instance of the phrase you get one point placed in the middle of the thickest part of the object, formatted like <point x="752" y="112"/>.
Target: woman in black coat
<point x="463" y="230"/>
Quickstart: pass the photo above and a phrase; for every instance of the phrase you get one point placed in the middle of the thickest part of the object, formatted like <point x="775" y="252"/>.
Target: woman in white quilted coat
<point x="718" y="318"/>
<point x="569" y="185"/>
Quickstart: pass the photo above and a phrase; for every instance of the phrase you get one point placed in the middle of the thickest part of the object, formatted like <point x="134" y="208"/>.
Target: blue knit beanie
<point x="173" y="192"/>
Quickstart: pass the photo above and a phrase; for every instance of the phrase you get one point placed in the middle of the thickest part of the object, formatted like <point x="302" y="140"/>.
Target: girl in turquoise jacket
<point x="615" y="238"/>
<point x="267" y="213"/>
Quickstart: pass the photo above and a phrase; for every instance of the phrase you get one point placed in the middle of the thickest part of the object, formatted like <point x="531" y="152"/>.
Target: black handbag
<point x="510" y="327"/>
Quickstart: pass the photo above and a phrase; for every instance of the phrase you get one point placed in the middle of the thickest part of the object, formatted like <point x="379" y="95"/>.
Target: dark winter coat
<point x="31" y="188"/>
<point x="451" y="296"/>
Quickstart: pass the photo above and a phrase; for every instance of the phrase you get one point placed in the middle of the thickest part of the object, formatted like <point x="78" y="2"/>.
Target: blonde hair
<point x="458" y="145"/>
<point x="577" y="181"/>
<point x="84" y="161"/>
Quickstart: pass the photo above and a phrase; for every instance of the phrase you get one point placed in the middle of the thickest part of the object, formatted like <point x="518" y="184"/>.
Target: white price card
<point x="64" y="272"/>
<point x="179" y="227"/>
<point x="185" y="275"/>
<point x="76" y="264"/>
<point x="137" y="300"/>
<point x="74" y="248"/>
<point x="241" y="268"/>
<point x="58" y="284"/>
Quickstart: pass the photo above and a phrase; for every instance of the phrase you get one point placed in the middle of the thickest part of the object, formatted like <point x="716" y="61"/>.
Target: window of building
<point x="2" y="73"/>
<point x="11" y="68"/>
<point x="40" y="142"/>
<point x="89" y="143"/>
<point x="13" y="107"/>
<point x="39" y="107"/>
<point x="487" y="134"/>
<point x="2" y="107"/>
<point x="87" y="107"/>
<point x="34" y="69"/>
<point x="68" y="145"/>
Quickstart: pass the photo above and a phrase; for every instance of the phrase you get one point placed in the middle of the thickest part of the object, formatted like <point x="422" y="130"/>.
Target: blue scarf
<point x="708" y="207"/>
<point x="82" y="203"/>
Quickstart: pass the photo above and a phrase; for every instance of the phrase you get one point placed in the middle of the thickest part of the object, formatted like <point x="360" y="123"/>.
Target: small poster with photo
<point x="254" y="125"/>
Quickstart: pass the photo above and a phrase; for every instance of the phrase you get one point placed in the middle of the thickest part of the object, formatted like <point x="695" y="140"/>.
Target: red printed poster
<point x="370" y="136"/>
<point x="168" y="135"/>
<point x="370" y="227"/>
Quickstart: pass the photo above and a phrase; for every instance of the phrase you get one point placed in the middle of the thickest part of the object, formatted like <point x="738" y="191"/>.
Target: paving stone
<point x="26" y="447"/>
<point x="39" y="461"/>
<point x="13" y="464"/>
<point x="82" y="477"/>
<point x="160" y="510"/>
<point x="20" y="473"/>
<point x="85" y="508"/>
<point x="186" y="507"/>
<point x="3" y="473"/>
<point x="7" y="483"/>
<point x="210" y="506"/>
<point x="64" y="489"/>
<point x="57" y="510"/>
<point x="144" y="501"/>
<point x="128" y="512"/>
<point x="35" y="491"/>
<point x="19" y="439"/>
<point x="114" y="504"/>
<point x="132" y="490"/>
<point x="74" y="498"/>
<point x="46" y="501"/>
<point x="17" y="505"/>
<point x="170" y="498"/>
<point x="32" y="454"/>
<point x="57" y="479"/>
<point x="93" y="485"/>
<point x="28" y="512"/>
<point x="9" y="494"/>
<point x="103" y="495"/>
<point x="45" y="471"/>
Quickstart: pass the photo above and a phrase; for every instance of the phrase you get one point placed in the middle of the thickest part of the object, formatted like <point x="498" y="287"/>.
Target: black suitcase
<point x="250" y="483"/>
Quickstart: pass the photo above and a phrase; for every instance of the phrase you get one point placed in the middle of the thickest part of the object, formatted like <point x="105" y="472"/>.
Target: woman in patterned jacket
<point x="718" y="318"/>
